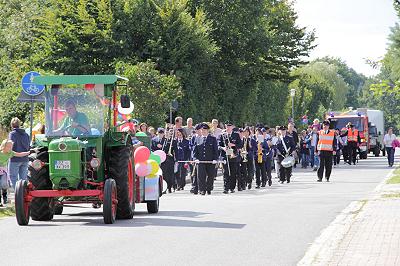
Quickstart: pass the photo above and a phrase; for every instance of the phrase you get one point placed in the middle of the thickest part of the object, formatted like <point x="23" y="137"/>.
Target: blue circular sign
<point x="29" y="87"/>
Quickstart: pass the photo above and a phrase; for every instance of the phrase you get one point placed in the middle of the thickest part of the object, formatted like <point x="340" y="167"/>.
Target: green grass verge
<point x="8" y="211"/>
<point x="395" y="179"/>
<point x="393" y="195"/>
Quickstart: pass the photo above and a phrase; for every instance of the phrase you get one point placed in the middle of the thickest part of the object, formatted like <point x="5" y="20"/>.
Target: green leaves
<point x="150" y="91"/>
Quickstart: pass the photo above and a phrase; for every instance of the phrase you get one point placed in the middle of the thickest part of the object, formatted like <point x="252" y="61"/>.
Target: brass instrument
<point x="170" y="145"/>
<point x="244" y="152"/>
<point x="259" y="152"/>
<point x="228" y="150"/>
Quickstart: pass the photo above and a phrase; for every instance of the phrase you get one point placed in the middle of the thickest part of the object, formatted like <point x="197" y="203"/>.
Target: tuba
<point x="229" y="151"/>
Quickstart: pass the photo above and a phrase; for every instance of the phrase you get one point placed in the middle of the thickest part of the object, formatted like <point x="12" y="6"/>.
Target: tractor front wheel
<point x="41" y="209"/>
<point x="21" y="204"/>
<point x="110" y="201"/>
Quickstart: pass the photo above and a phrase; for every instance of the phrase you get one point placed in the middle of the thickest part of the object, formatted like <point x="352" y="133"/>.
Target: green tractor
<point x="84" y="156"/>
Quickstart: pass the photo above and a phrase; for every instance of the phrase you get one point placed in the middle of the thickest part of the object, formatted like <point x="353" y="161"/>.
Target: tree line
<point x="232" y="60"/>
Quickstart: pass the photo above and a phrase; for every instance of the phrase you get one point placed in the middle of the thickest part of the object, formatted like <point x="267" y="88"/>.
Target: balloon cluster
<point x="148" y="163"/>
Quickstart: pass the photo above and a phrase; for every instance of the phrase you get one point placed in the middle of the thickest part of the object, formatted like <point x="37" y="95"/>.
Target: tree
<point x="150" y="91"/>
<point x="75" y="37"/>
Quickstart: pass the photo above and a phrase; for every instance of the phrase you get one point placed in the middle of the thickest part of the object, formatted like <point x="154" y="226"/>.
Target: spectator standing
<point x="388" y="140"/>
<point x="304" y="149"/>
<point x="18" y="166"/>
<point x="6" y="152"/>
<point x="189" y="128"/>
<point x="313" y="148"/>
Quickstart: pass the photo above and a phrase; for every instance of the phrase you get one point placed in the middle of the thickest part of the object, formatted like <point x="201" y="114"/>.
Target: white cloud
<point x="350" y="29"/>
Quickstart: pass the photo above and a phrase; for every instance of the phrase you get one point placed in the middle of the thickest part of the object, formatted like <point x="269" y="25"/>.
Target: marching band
<point x="200" y="151"/>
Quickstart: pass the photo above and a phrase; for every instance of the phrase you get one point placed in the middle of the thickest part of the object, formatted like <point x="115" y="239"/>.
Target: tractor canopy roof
<point x="77" y="79"/>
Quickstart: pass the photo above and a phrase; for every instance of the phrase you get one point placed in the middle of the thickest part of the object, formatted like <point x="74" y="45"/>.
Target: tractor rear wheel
<point x="21" y="205"/>
<point x="41" y="208"/>
<point x="119" y="159"/>
<point x="110" y="201"/>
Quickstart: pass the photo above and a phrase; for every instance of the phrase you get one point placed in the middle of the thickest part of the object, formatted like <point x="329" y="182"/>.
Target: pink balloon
<point x="141" y="154"/>
<point x="162" y="155"/>
<point x="141" y="169"/>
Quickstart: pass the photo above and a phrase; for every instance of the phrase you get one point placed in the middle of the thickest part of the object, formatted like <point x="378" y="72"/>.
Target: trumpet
<point x="244" y="152"/>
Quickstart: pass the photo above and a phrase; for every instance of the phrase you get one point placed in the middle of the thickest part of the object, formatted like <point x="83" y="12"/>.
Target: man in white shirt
<point x="388" y="140"/>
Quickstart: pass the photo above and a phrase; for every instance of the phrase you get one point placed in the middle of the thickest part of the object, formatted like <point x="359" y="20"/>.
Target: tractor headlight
<point x="37" y="164"/>
<point x="95" y="163"/>
<point x="62" y="146"/>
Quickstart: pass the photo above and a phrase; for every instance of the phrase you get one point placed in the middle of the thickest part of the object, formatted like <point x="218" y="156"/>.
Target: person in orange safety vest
<point x="326" y="147"/>
<point x="353" y="139"/>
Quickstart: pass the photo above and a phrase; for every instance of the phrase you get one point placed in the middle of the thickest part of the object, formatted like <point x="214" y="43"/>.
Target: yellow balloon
<point x="154" y="167"/>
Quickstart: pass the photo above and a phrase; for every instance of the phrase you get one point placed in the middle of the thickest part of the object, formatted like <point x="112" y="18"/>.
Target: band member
<point x="158" y="141"/>
<point x="285" y="146"/>
<point x="195" y="140"/>
<point x="182" y="153"/>
<point x="326" y="148"/>
<point x="168" y="165"/>
<point x="230" y="144"/>
<point x="247" y="160"/>
<point x="269" y="161"/>
<point x="261" y="152"/>
<point x="206" y="151"/>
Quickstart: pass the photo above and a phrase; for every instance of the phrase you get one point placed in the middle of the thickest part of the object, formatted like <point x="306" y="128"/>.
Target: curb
<point x="319" y="253"/>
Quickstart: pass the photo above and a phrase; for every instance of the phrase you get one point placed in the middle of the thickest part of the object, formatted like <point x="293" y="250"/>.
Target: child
<point x="6" y="153"/>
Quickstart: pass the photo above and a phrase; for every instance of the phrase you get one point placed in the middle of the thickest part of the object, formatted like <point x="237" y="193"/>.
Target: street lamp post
<point x="292" y="93"/>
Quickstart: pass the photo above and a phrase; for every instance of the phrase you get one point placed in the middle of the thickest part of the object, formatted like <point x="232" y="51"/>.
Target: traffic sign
<point x="29" y="87"/>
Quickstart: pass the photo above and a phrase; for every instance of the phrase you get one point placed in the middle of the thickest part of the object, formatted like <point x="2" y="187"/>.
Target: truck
<point x="84" y="157"/>
<point x="376" y="131"/>
<point x="359" y="119"/>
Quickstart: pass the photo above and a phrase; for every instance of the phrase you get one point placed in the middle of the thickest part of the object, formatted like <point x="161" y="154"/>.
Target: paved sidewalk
<point x="365" y="233"/>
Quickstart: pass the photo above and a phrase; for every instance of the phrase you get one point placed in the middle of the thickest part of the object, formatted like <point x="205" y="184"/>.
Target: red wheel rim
<point x="26" y="202"/>
<point x="130" y="180"/>
<point x="114" y="201"/>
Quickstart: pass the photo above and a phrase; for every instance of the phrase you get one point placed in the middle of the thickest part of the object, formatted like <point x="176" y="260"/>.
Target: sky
<point x="354" y="30"/>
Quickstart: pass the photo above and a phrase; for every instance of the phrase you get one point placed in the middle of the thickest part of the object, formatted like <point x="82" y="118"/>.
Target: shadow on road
<point x="142" y="219"/>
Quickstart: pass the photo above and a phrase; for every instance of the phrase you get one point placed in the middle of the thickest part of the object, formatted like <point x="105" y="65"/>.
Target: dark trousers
<point x="336" y="157"/>
<point x="325" y="158"/>
<point x="168" y="171"/>
<point x="268" y="168"/>
<point x="390" y="155"/>
<point x="261" y="172"/>
<point x="345" y="152"/>
<point x="180" y="176"/>
<point x="352" y="146"/>
<point x="4" y="194"/>
<point x="284" y="173"/>
<point x="230" y="180"/>
<point x="247" y="171"/>
<point x="206" y="176"/>
<point x="195" y="180"/>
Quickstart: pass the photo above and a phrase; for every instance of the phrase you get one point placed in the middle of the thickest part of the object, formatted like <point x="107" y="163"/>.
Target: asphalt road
<point x="271" y="226"/>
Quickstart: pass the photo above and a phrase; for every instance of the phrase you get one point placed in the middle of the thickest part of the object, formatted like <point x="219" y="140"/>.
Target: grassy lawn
<point x="395" y="195"/>
<point x="395" y="179"/>
<point x="8" y="211"/>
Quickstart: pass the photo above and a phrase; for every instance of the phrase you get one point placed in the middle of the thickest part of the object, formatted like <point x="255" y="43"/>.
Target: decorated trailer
<point x="84" y="157"/>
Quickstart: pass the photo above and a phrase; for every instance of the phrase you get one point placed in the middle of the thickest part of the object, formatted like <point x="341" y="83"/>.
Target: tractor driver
<point x="76" y="123"/>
